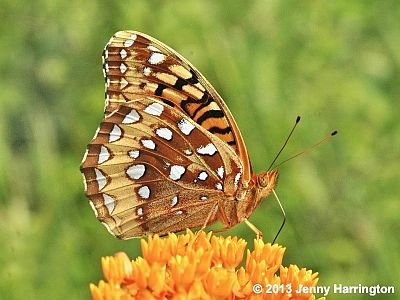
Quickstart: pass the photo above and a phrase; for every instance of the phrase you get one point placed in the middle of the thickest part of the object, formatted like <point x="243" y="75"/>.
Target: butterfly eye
<point x="263" y="179"/>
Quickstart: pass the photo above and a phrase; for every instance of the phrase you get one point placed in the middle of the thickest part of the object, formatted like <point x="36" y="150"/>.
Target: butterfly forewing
<point x="151" y="169"/>
<point x="137" y="66"/>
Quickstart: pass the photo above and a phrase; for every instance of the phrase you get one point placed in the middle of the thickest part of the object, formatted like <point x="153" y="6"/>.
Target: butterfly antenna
<point x="286" y="141"/>
<point x="283" y="214"/>
<point x="327" y="138"/>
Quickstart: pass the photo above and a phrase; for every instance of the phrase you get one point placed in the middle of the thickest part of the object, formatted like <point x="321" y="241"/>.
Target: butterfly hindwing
<point x="151" y="169"/>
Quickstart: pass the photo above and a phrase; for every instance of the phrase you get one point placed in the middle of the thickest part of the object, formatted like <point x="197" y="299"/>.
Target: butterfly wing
<point x="137" y="65"/>
<point x="151" y="169"/>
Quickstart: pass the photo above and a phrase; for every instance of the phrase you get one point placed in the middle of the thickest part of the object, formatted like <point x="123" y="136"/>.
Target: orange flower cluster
<point x="202" y="266"/>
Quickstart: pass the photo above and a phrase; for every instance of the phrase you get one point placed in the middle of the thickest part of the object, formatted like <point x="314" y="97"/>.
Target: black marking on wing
<point x="193" y="79"/>
<point x="215" y="129"/>
<point x="105" y="61"/>
<point x="185" y="103"/>
<point x="180" y="83"/>
<point x="205" y="101"/>
<point x="210" y="114"/>
<point x="168" y="102"/>
<point x="160" y="88"/>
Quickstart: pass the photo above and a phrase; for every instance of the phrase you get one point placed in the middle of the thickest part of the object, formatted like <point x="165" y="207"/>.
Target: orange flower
<point x="201" y="266"/>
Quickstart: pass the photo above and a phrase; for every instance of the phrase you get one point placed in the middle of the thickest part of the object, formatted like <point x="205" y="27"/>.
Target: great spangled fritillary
<point x="168" y="154"/>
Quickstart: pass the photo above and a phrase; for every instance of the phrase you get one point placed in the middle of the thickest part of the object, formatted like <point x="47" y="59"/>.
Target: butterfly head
<point x="266" y="182"/>
<point x="262" y="186"/>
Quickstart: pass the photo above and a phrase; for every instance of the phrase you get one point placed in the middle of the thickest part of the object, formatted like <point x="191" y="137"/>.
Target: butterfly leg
<point x="258" y="233"/>
<point x="210" y="214"/>
<point x="224" y="219"/>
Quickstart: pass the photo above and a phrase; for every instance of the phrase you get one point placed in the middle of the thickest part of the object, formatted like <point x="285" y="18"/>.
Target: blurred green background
<point x="335" y="63"/>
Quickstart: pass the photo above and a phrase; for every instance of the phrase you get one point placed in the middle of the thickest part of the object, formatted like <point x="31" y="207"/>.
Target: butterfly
<point x="168" y="154"/>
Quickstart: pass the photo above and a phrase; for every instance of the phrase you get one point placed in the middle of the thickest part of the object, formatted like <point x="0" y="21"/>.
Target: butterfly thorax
<point x="249" y="197"/>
